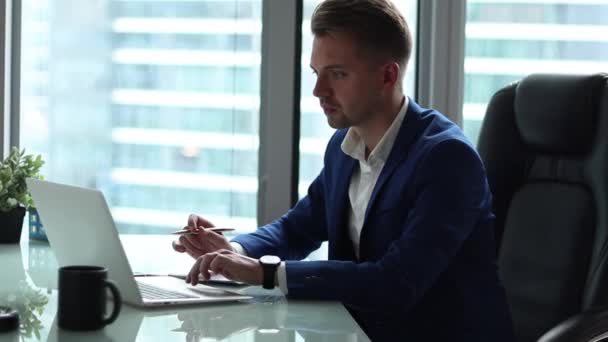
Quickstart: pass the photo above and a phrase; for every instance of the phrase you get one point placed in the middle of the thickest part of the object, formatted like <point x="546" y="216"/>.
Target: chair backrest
<point x="544" y="142"/>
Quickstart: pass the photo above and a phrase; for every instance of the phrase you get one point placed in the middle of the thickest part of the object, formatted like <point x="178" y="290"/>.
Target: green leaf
<point x="13" y="172"/>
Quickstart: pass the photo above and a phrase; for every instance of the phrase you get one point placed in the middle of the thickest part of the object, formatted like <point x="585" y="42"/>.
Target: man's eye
<point x="338" y="74"/>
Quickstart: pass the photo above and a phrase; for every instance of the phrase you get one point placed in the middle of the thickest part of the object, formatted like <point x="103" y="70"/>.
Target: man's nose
<point x="321" y="88"/>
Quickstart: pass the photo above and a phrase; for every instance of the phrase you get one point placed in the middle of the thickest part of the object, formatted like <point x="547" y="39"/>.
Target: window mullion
<point x="10" y="42"/>
<point x="278" y="101"/>
<point x="441" y="56"/>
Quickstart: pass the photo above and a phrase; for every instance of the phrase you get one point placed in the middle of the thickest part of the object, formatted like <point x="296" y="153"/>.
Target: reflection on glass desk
<point x="29" y="284"/>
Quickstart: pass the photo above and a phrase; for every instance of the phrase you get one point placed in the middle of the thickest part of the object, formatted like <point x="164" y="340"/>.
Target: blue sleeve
<point x="296" y="234"/>
<point x="450" y="195"/>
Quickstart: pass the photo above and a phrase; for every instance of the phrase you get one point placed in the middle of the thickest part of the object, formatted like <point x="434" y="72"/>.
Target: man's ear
<point x="391" y="73"/>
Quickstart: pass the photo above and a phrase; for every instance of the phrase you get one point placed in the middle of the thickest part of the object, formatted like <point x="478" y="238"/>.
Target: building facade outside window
<point x="507" y="40"/>
<point x="154" y="102"/>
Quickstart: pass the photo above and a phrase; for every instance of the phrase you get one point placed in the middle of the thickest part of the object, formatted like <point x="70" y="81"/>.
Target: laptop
<point x="81" y="231"/>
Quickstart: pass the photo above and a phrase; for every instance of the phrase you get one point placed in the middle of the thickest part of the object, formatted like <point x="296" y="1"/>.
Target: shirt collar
<point x="354" y="146"/>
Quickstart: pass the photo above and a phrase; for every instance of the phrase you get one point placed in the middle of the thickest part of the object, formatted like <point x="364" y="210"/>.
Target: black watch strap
<point x="269" y="274"/>
<point x="270" y="264"/>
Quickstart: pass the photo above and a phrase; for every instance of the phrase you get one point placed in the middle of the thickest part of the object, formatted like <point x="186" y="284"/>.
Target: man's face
<point x="349" y="86"/>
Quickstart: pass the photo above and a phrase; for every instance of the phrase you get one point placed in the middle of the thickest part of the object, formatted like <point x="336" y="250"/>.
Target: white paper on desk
<point x="210" y="291"/>
<point x="215" y="279"/>
<point x="218" y="281"/>
<point x="253" y="291"/>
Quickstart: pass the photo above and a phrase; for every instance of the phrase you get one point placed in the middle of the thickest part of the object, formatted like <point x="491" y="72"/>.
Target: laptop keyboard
<point x="153" y="292"/>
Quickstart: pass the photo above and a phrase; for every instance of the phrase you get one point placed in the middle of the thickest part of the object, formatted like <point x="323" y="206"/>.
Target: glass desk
<point x="28" y="282"/>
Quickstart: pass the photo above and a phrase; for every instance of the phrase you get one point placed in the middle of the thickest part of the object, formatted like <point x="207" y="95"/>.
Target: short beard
<point x="339" y="124"/>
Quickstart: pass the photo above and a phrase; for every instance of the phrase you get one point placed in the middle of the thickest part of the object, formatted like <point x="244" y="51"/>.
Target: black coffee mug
<point x="82" y="298"/>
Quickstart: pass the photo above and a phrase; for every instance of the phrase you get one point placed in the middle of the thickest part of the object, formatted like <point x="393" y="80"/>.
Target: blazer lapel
<point x="339" y="203"/>
<point x="407" y="134"/>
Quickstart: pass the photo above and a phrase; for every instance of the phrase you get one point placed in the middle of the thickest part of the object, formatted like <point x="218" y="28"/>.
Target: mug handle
<point x="117" y="302"/>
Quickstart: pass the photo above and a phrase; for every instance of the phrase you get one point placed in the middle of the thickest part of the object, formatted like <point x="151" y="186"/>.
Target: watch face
<point x="270" y="260"/>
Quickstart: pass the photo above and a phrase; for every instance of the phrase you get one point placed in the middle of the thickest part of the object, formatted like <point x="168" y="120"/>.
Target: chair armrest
<point x="589" y="326"/>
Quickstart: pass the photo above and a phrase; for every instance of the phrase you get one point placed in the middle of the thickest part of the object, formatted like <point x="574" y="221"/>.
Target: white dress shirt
<point x="362" y="181"/>
<point x="364" y="177"/>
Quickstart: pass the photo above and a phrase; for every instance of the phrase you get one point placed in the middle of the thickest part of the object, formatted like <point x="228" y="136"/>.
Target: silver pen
<point x="186" y="231"/>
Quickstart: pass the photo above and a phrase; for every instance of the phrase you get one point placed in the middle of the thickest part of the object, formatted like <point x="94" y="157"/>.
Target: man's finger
<point x="218" y="234"/>
<point x="190" y="248"/>
<point x="196" y="240"/>
<point x="183" y="240"/>
<point x="203" y="222"/>
<point x="192" y="221"/>
<point x="204" y="266"/>
<point x="178" y="247"/>
<point x="192" y="276"/>
<point x="217" y="264"/>
<point x="195" y="221"/>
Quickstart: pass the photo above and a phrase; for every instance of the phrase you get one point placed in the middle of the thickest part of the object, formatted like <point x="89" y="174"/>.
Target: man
<point x="402" y="199"/>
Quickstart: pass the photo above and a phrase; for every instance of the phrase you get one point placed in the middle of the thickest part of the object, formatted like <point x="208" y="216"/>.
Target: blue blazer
<point x="427" y="267"/>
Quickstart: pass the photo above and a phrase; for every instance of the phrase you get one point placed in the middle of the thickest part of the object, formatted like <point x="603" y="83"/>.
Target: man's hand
<point x="204" y="242"/>
<point x="228" y="263"/>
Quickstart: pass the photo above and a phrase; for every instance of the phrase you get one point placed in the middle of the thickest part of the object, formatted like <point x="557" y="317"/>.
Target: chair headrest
<point x="558" y="113"/>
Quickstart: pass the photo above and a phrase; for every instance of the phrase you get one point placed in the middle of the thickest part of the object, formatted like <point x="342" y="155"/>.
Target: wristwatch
<point x="269" y="263"/>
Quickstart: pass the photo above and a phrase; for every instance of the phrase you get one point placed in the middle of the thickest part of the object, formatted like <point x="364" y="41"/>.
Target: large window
<point x="154" y="102"/>
<point x="507" y="40"/>
<point x="314" y="130"/>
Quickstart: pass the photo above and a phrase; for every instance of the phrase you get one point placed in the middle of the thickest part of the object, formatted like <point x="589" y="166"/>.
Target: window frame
<point x="279" y="108"/>
<point x="10" y="57"/>
<point x="440" y="72"/>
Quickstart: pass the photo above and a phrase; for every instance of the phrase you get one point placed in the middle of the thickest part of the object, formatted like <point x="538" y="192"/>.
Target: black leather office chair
<point x="544" y="142"/>
<point x="589" y="326"/>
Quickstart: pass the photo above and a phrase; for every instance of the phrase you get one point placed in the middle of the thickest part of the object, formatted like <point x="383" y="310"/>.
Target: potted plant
<point x="14" y="197"/>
